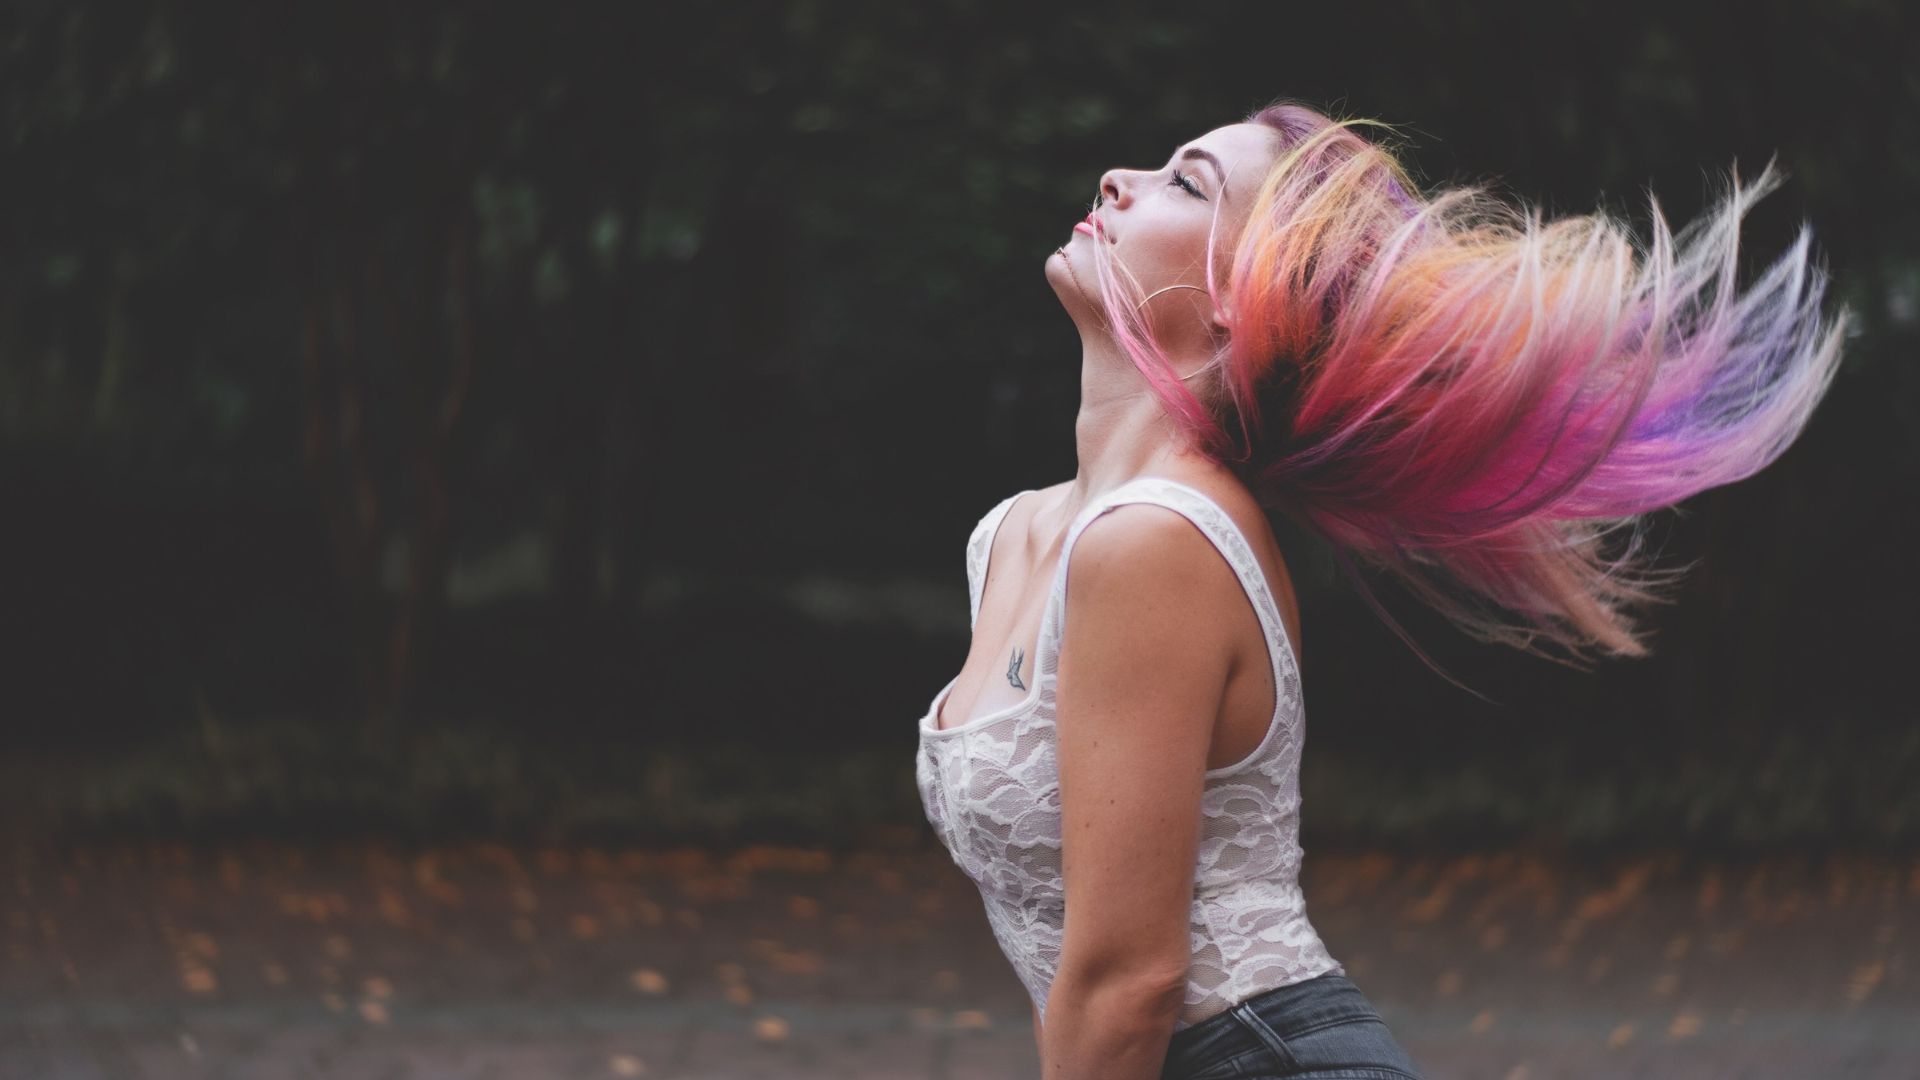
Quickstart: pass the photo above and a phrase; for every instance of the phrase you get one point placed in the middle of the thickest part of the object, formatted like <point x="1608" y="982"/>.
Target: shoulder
<point x="1141" y="605"/>
<point x="989" y="519"/>
<point x="1142" y="533"/>
<point x="1136" y="555"/>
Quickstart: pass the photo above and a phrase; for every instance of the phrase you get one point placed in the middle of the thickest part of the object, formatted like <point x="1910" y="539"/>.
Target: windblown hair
<point x="1472" y="401"/>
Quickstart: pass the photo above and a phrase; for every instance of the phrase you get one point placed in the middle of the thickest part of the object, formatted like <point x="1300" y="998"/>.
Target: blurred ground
<point x="486" y="961"/>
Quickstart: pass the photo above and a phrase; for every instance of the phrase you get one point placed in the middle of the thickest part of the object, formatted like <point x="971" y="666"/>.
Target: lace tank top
<point x="990" y="787"/>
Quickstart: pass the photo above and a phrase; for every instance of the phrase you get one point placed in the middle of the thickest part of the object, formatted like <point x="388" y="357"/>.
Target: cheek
<point x="1170" y="247"/>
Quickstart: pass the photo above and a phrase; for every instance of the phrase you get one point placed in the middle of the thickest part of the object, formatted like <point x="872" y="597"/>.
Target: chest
<point x="992" y="795"/>
<point x="1014" y="650"/>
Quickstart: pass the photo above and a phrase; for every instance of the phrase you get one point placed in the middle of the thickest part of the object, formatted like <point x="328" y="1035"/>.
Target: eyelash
<point x="1182" y="181"/>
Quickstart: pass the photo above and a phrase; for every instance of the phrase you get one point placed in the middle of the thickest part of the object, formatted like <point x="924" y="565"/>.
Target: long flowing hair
<point x="1474" y="401"/>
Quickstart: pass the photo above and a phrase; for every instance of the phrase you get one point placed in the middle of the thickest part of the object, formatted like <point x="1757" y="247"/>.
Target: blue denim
<point x="1318" y="1029"/>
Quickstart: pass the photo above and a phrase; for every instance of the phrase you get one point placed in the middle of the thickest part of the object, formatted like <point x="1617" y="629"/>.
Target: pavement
<point x="270" y="961"/>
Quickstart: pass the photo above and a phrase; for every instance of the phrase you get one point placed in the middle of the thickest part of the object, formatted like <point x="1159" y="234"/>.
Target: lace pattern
<point x="990" y="787"/>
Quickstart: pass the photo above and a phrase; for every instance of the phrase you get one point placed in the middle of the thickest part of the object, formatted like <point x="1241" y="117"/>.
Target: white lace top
<point x="991" y="790"/>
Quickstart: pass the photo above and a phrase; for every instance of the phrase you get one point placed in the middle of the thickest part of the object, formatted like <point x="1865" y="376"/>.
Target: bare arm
<point x="1143" y="665"/>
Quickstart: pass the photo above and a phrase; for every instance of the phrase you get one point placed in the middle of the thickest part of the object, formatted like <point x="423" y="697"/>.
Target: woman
<point x="1446" y="389"/>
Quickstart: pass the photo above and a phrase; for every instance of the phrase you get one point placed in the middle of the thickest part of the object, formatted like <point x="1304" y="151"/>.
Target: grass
<point x="295" y="781"/>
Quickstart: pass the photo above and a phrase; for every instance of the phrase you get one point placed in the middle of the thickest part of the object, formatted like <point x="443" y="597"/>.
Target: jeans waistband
<point x="1288" y="1010"/>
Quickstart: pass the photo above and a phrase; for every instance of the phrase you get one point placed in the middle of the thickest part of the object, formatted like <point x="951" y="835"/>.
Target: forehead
<point x="1238" y="146"/>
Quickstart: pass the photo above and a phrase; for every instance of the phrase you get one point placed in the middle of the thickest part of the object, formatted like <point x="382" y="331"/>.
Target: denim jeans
<point x="1318" y="1029"/>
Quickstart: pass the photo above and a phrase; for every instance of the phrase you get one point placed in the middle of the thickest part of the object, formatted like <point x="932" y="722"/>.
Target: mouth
<point x="1090" y="225"/>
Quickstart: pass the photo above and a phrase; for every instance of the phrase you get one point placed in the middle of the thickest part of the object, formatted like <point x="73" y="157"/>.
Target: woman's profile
<point x="1441" y="385"/>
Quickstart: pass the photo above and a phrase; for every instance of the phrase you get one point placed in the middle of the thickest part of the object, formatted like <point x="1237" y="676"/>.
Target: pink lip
<point x="1081" y="226"/>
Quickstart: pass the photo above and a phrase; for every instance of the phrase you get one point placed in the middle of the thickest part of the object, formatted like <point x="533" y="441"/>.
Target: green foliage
<point x="764" y="291"/>
<point x="1789" y="792"/>
<point x="293" y="781"/>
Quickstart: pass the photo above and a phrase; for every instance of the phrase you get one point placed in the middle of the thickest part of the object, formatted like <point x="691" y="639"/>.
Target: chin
<point x="1069" y="279"/>
<point x="1060" y="276"/>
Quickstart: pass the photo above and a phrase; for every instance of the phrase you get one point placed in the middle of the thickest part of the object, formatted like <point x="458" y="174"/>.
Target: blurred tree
<point x="308" y="312"/>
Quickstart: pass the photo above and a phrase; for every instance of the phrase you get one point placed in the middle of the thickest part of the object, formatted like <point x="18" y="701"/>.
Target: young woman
<point x="1278" y="320"/>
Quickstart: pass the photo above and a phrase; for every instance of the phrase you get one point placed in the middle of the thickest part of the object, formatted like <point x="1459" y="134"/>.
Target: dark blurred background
<point x="435" y="421"/>
<point x="486" y="490"/>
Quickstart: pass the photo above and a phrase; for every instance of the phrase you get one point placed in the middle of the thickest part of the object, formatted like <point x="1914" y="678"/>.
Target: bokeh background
<point x="556" y="429"/>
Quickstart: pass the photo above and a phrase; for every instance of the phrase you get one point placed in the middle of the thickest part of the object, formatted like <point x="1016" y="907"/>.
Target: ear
<point x="1220" y="321"/>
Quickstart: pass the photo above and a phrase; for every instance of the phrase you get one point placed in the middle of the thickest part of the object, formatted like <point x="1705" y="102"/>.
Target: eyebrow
<point x="1193" y="152"/>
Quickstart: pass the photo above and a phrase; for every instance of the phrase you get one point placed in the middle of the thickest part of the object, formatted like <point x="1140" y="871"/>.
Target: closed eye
<point x="1180" y="180"/>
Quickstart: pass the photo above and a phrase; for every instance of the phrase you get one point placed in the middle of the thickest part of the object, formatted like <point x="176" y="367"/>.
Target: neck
<point x="1122" y="430"/>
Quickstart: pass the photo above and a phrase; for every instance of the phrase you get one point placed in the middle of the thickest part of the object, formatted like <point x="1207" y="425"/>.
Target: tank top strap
<point x="980" y="547"/>
<point x="1214" y="522"/>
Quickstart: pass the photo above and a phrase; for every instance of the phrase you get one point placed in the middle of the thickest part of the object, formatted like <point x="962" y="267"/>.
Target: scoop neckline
<point x="1274" y="723"/>
<point x="930" y="721"/>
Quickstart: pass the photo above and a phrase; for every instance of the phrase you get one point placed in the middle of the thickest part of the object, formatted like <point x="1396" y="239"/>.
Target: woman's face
<point x="1156" y="222"/>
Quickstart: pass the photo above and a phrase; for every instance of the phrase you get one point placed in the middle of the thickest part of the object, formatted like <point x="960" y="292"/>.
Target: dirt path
<point x="496" y="962"/>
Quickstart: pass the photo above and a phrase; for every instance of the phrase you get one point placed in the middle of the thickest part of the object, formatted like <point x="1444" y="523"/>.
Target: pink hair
<point x="1472" y="400"/>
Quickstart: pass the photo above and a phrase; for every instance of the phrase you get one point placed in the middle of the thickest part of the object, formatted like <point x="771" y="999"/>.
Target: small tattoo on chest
<point x="1013" y="671"/>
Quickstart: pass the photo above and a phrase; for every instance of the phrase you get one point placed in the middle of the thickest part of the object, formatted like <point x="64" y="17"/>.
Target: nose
<point x="1111" y="189"/>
